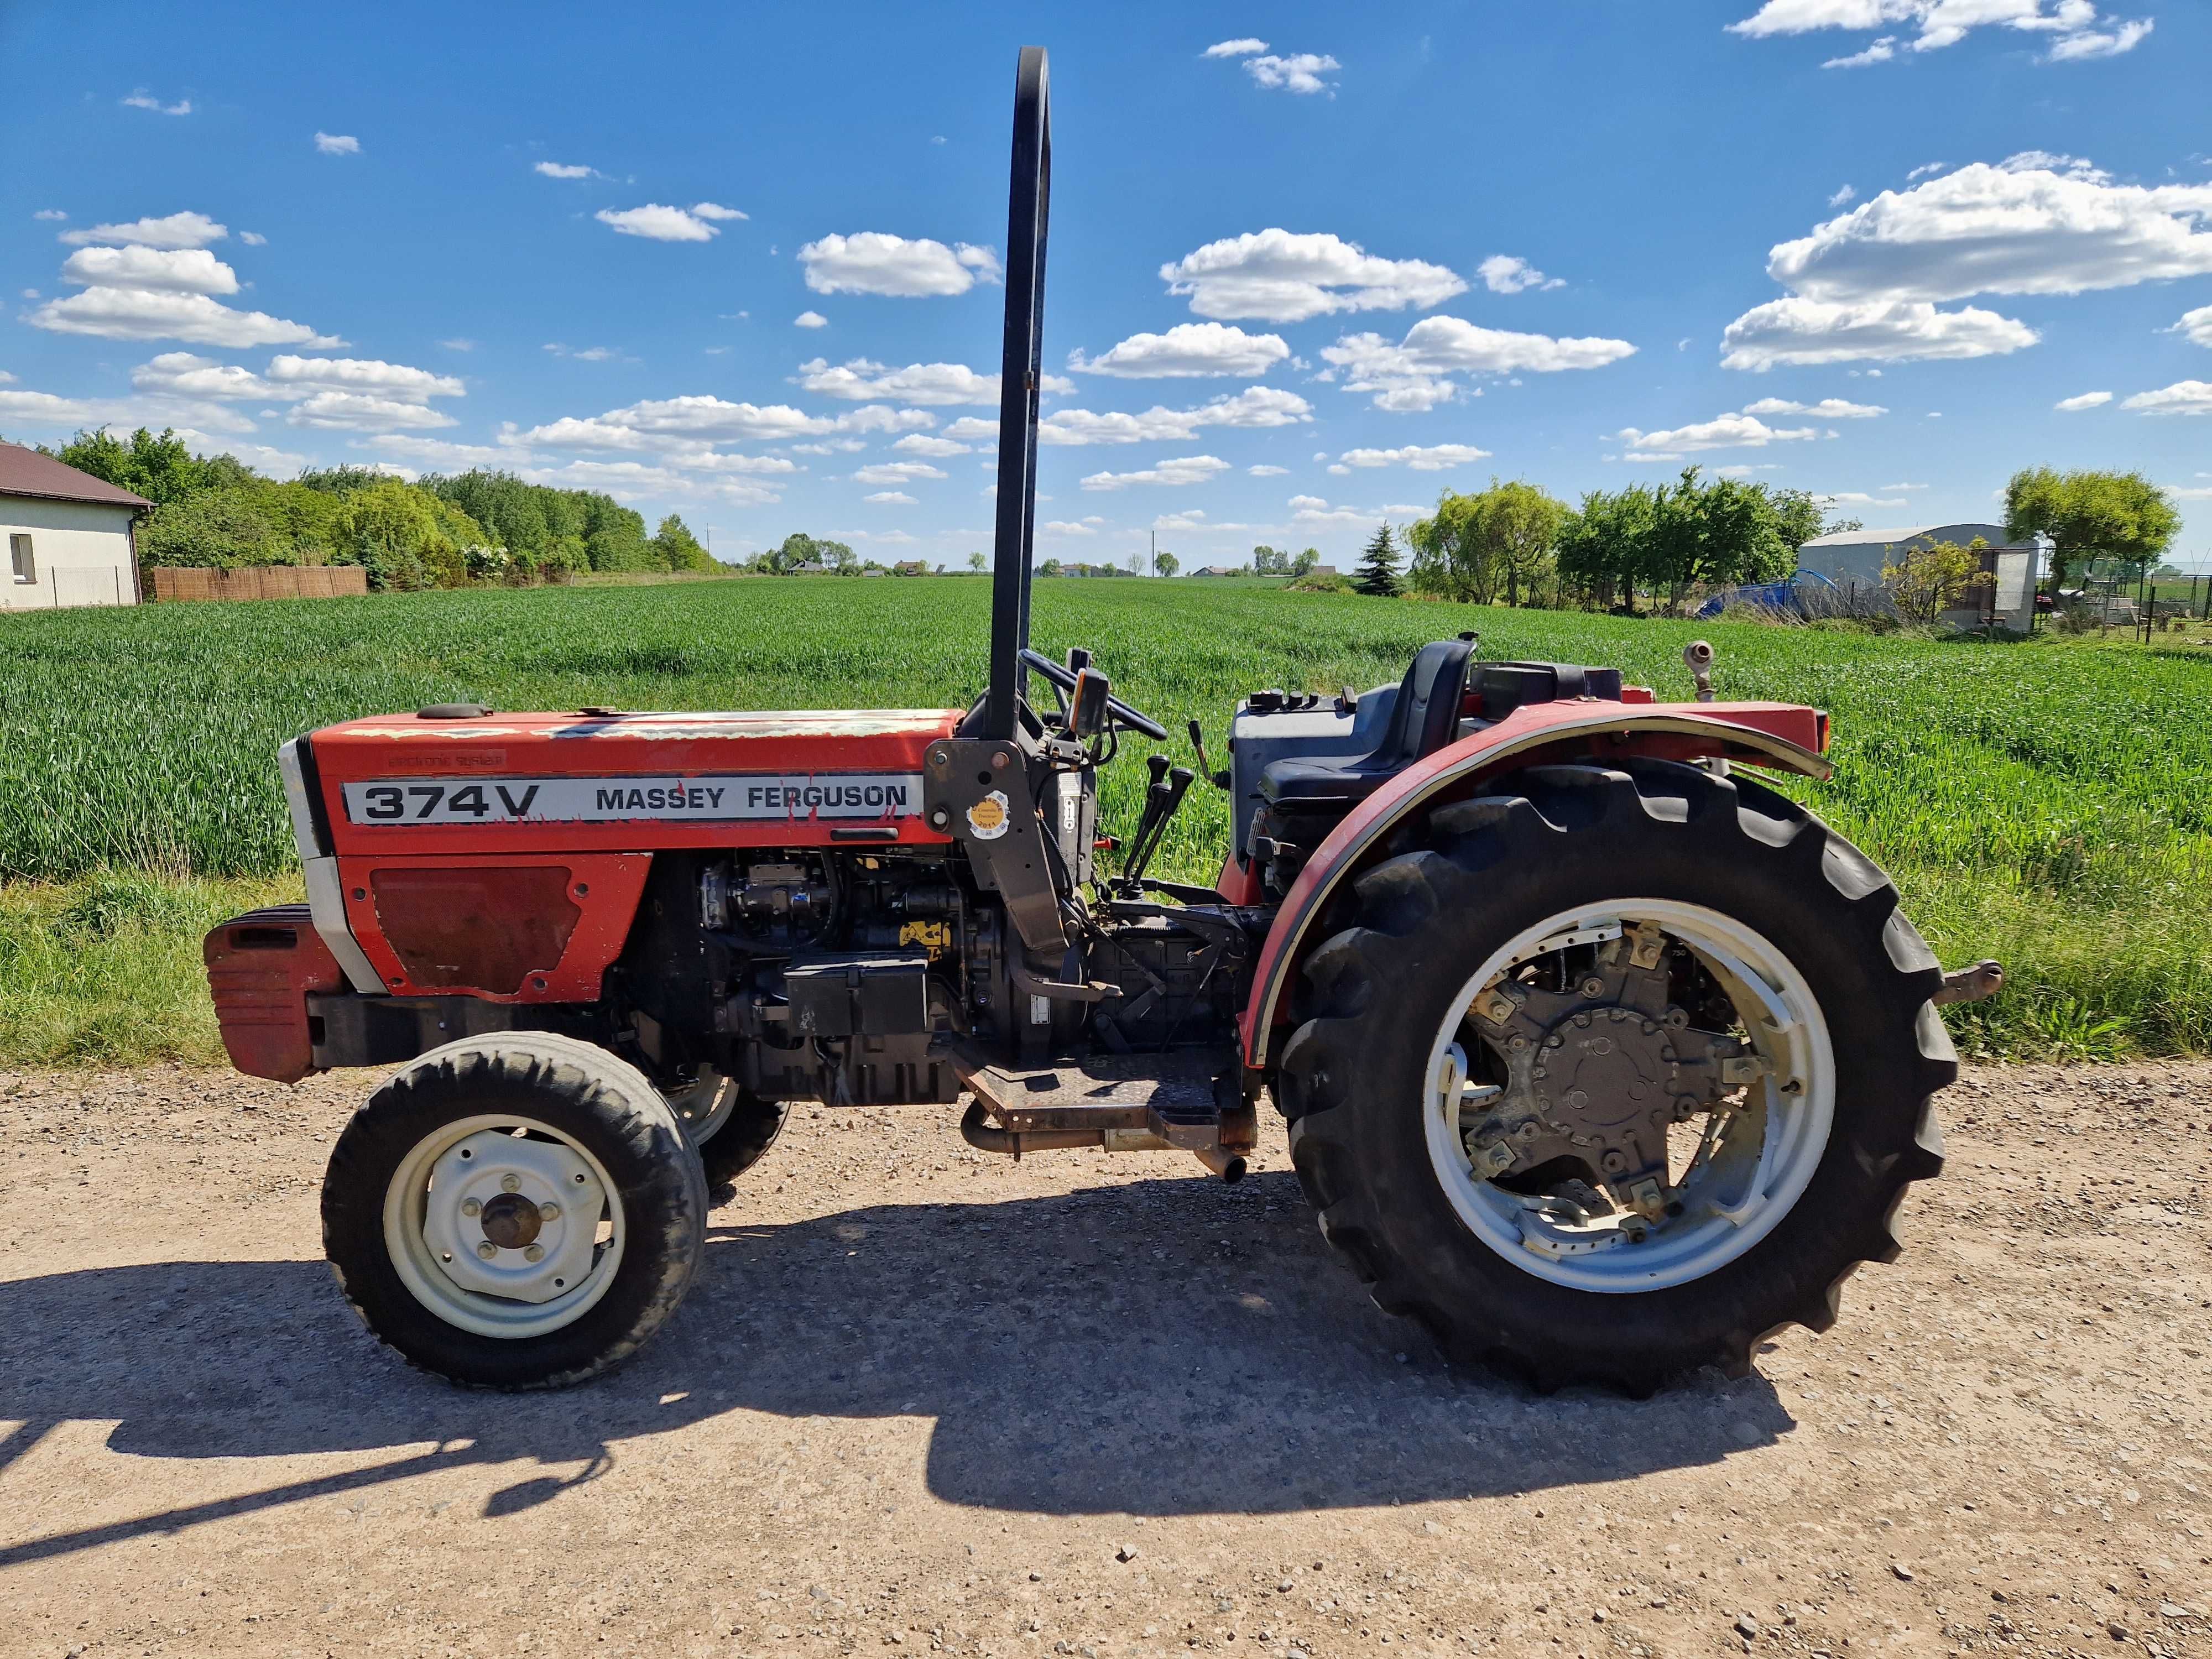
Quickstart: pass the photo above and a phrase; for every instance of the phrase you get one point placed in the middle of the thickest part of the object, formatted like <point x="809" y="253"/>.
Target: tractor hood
<point x="416" y="784"/>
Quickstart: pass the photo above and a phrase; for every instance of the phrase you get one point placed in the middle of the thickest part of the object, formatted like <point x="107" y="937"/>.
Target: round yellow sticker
<point x="987" y="819"/>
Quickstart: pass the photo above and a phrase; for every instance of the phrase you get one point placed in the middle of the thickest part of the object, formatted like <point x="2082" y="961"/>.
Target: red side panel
<point x="1554" y="729"/>
<point x="260" y="967"/>
<point x="544" y="783"/>
<point x="508" y="928"/>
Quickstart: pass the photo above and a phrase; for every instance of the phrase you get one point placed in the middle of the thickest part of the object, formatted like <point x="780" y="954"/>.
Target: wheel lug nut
<point x="469" y="1206"/>
<point x="548" y="1212"/>
<point x="533" y="1253"/>
<point x="510" y="1183"/>
<point x="487" y="1249"/>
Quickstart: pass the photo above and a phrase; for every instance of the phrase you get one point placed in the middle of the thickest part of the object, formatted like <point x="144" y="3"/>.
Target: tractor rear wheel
<point x="1618" y="1071"/>
<point x="731" y="1127"/>
<point x="514" y="1211"/>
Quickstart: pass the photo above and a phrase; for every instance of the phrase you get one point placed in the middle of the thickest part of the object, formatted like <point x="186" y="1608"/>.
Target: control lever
<point x="1155" y="801"/>
<point x="1168" y="798"/>
<point x="1218" y="780"/>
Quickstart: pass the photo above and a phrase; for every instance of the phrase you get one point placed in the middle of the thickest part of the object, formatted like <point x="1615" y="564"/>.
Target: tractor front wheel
<point x="731" y="1127"/>
<point x="515" y="1211"/>
<point x="1622" y="1070"/>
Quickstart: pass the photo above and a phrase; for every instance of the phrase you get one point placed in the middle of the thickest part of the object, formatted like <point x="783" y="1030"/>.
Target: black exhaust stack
<point x="1020" y="373"/>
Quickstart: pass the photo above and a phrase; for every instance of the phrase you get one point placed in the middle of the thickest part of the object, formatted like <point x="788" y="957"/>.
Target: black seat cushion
<point x="1424" y="719"/>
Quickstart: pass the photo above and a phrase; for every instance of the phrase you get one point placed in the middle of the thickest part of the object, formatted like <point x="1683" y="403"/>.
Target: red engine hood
<point x="401" y="784"/>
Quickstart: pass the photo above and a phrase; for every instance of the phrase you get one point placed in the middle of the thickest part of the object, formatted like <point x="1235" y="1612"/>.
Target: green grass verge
<point x="107" y="971"/>
<point x="2047" y="803"/>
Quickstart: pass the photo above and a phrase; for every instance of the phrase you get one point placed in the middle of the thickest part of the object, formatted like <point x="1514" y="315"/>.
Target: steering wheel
<point x="1117" y="711"/>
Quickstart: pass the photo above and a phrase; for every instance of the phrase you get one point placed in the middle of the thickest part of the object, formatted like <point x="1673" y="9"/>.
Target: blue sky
<point x="1309" y="267"/>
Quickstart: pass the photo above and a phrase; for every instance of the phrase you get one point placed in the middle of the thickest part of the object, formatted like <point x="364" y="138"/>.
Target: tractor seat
<point x="1424" y="719"/>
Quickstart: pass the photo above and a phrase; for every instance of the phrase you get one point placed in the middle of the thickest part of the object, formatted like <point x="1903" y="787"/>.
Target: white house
<point x="1853" y="559"/>
<point x="66" y="535"/>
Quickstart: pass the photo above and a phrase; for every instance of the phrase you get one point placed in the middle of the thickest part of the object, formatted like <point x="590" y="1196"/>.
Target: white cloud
<point x="174" y="271"/>
<point x="2073" y="26"/>
<point x="252" y="239"/>
<point x="920" y="443"/>
<point x="1722" y="432"/>
<point x="1843" y="196"/>
<point x="459" y="344"/>
<point x="1925" y="170"/>
<point x="1187" y="350"/>
<point x="891" y="497"/>
<point x="363" y="412"/>
<point x="444" y="452"/>
<point x="363" y="374"/>
<point x="1507" y="273"/>
<point x="182" y="375"/>
<point x="1188" y="469"/>
<point x="560" y="170"/>
<point x="2100" y="43"/>
<point x="2182" y="397"/>
<point x="973" y="429"/>
<point x="2196" y="325"/>
<point x="917" y="383"/>
<point x="657" y="223"/>
<point x="1811" y="331"/>
<point x="1068" y="528"/>
<point x="142" y="99"/>
<point x="46" y="407"/>
<point x="186" y="229"/>
<point x="1243" y="48"/>
<point x="2086" y="400"/>
<point x="1415" y="373"/>
<point x="2035" y="224"/>
<point x="1281" y="277"/>
<point x="50" y="214"/>
<point x="716" y="210"/>
<point x="679" y="423"/>
<point x="1880" y="51"/>
<point x="1254" y="406"/>
<point x="897" y="472"/>
<point x="875" y="262"/>
<point x="1828" y="409"/>
<point x="1301" y="72"/>
<point x="810" y="320"/>
<point x="1434" y="458"/>
<point x="1266" y="471"/>
<point x="131" y="313"/>
<point x="1853" y="497"/>
<point x="337" y="144"/>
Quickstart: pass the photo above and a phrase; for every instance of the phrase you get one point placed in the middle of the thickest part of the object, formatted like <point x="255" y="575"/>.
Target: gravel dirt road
<point x="922" y="1401"/>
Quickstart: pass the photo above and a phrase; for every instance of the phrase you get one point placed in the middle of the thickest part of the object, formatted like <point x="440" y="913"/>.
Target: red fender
<point x="1761" y="733"/>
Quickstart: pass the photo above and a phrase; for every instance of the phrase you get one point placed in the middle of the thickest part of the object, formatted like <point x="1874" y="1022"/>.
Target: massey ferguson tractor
<point x="1600" y="1057"/>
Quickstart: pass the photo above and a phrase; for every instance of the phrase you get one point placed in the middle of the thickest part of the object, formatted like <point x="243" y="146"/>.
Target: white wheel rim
<point x="1743" y="1193"/>
<point x="703" y="1106"/>
<point x="457" y="1236"/>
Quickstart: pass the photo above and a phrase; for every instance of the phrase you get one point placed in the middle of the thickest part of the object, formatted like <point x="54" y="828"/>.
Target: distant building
<point x="1322" y="570"/>
<point x="1221" y="570"/>
<point x="67" y="534"/>
<point x="1853" y="561"/>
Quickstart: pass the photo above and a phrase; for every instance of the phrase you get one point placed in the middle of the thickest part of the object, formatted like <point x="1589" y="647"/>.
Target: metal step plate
<point x="1171" y="1094"/>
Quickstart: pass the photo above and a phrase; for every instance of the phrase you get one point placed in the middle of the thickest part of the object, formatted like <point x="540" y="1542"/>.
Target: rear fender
<point x="1783" y="735"/>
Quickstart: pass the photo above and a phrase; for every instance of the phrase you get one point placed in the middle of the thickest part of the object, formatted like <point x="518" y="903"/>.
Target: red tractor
<point x="1600" y="1057"/>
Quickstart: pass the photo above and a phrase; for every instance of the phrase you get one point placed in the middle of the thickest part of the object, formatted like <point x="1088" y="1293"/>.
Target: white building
<point x="65" y="535"/>
<point x="1853" y="560"/>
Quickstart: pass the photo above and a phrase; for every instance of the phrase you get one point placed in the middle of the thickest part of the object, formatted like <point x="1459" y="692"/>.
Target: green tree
<point x="1166" y="564"/>
<point x="1302" y="563"/>
<point x="1270" y="562"/>
<point x="1049" y="567"/>
<point x="1377" y="576"/>
<point x="162" y="470"/>
<point x="2113" y="515"/>
<point x="408" y="537"/>
<point x="1605" y="546"/>
<point x="677" y="548"/>
<point x="1926" y="581"/>
<point x="1474" y="547"/>
<point x="978" y="564"/>
<point x="342" y="480"/>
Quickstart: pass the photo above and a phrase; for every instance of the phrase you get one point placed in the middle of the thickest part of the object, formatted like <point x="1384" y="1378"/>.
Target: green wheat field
<point x="2049" y="803"/>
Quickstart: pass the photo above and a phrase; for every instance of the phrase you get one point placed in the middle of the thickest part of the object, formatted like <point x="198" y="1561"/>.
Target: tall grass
<point x="2050" y="805"/>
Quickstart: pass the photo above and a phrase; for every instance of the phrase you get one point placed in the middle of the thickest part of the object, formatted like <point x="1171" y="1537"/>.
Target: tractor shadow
<point x="1155" y="1347"/>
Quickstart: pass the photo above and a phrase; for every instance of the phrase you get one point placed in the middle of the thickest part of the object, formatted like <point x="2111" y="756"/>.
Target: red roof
<point x="26" y="473"/>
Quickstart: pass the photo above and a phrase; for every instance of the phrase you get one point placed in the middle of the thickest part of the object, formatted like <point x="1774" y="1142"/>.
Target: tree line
<point x="215" y="511"/>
